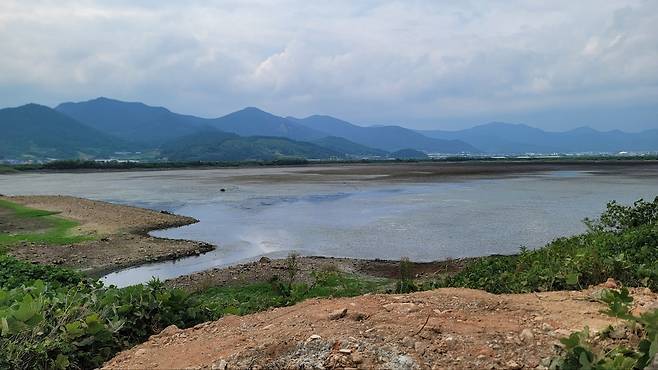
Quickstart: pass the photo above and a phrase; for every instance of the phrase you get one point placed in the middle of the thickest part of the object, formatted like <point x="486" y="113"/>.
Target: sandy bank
<point x="120" y="235"/>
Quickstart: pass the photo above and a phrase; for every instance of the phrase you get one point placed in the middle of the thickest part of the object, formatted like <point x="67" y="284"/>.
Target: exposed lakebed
<point x="349" y="216"/>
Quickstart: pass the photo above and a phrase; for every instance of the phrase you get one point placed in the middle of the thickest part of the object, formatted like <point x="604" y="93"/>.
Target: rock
<point x="546" y="327"/>
<point x="358" y="316"/>
<point x="611" y="284"/>
<point x="345" y="351"/>
<point x="420" y="347"/>
<point x="618" y="332"/>
<point x="408" y="342"/>
<point x="221" y="365"/>
<point x="338" y="314"/>
<point x="404" y="307"/>
<point x="264" y="260"/>
<point x="526" y="335"/>
<point x="140" y="352"/>
<point x="357" y="358"/>
<point x="512" y="365"/>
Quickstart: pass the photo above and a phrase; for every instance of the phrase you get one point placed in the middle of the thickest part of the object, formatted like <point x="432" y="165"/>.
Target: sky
<point x="434" y="64"/>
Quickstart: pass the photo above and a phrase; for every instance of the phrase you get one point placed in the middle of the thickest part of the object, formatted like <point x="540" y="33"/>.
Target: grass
<point x="58" y="231"/>
<point x="5" y="170"/>
<point x="246" y="299"/>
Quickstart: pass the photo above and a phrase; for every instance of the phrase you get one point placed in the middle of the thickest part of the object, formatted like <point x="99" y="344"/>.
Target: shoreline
<point x="393" y="170"/>
<point x="121" y="239"/>
<point x="119" y="236"/>
<point x="122" y="242"/>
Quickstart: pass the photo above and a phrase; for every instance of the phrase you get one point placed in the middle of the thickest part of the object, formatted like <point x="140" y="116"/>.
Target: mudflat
<point x="118" y="234"/>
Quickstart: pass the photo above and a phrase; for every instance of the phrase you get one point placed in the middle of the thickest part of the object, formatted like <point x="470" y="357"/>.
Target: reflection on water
<point x="424" y="222"/>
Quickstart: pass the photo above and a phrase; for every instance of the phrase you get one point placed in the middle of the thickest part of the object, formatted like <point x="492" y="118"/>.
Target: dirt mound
<point x="444" y="328"/>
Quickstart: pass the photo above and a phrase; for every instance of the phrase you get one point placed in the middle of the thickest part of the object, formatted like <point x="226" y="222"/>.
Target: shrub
<point x="405" y="283"/>
<point x="81" y="326"/>
<point x="622" y="243"/>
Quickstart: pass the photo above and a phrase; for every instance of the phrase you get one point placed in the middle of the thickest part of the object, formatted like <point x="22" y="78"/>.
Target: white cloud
<point x="373" y="61"/>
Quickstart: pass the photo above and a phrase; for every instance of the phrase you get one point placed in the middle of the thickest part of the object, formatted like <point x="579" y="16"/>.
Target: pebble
<point x="512" y="365"/>
<point x="338" y="314"/>
<point x="526" y="335"/>
<point x="611" y="284"/>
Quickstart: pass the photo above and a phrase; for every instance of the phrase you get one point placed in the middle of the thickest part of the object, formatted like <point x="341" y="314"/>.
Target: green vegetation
<point x="36" y="131"/>
<point x="7" y="169"/>
<point x="405" y="283"/>
<point x="409" y="154"/>
<point x="47" y="228"/>
<point x="622" y="244"/>
<point x="261" y="296"/>
<point x="222" y="146"/>
<point x="55" y="318"/>
<point x="75" y="164"/>
<point x="342" y="145"/>
<point x="580" y="351"/>
<point x="83" y="325"/>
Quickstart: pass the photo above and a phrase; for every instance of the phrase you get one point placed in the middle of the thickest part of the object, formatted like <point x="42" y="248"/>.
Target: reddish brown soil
<point x="440" y="329"/>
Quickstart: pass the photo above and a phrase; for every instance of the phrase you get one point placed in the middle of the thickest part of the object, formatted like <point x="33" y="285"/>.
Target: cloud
<point x="370" y="61"/>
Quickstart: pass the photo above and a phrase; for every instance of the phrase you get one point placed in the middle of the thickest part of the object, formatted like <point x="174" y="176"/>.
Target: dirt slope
<point x="444" y="328"/>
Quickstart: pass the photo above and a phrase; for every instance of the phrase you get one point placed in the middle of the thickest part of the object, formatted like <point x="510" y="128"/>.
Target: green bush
<point x="15" y="272"/>
<point x="622" y="243"/>
<point x="84" y="325"/>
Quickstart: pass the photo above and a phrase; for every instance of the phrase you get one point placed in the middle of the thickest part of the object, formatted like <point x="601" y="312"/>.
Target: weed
<point x="405" y="283"/>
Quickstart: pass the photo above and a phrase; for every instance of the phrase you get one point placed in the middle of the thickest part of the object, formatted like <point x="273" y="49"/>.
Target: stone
<point x="420" y="347"/>
<point x="526" y="335"/>
<point x="408" y="342"/>
<point x="314" y="337"/>
<point x="338" y="314"/>
<point x="221" y="365"/>
<point x="611" y="284"/>
<point x="264" y="260"/>
<point x="546" y="327"/>
<point x="512" y="365"/>
<point x="357" y="358"/>
<point x="618" y="332"/>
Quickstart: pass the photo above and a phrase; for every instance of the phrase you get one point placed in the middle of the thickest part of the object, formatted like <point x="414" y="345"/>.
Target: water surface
<point x="423" y="221"/>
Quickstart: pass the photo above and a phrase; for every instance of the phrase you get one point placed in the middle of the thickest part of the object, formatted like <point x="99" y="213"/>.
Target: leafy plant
<point x="579" y="353"/>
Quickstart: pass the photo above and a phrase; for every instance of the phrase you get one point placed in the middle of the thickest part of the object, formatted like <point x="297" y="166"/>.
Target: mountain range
<point x="39" y="131"/>
<point x="102" y="126"/>
<point x="506" y="138"/>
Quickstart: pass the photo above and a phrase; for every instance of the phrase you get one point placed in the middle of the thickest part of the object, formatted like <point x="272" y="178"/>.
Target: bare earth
<point x="120" y="234"/>
<point x="440" y="329"/>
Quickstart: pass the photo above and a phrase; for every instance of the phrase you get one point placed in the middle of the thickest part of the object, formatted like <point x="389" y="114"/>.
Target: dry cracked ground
<point x="439" y="329"/>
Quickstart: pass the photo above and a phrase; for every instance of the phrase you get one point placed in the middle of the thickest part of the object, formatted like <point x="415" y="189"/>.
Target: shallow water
<point x="423" y="221"/>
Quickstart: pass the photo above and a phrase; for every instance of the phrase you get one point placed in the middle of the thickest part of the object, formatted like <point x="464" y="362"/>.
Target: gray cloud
<point x="420" y="63"/>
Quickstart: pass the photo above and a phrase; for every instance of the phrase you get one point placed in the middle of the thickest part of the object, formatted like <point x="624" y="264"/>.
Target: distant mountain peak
<point x="253" y="110"/>
<point x="583" y="129"/>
